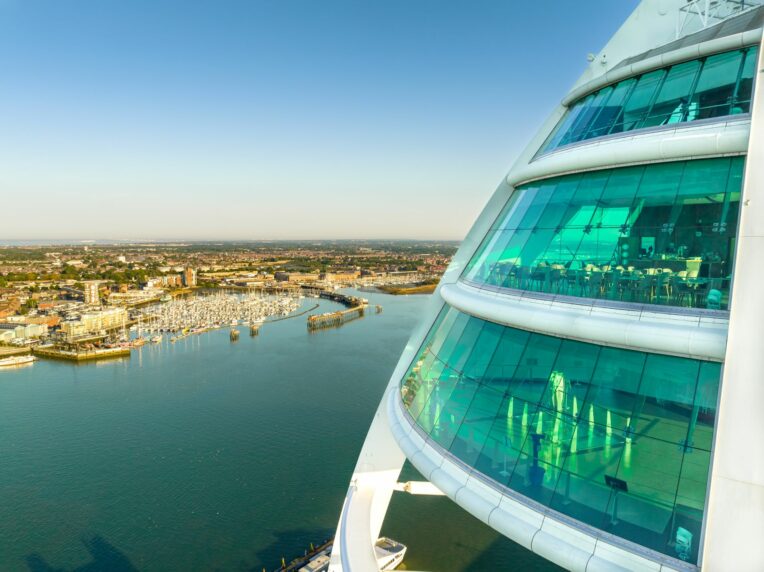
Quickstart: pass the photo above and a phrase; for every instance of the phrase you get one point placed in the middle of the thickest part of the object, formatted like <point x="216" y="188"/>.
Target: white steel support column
<point x="734" y="531"/>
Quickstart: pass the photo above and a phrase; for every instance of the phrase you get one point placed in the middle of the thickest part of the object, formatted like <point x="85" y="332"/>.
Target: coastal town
<point x="93" y="301"/>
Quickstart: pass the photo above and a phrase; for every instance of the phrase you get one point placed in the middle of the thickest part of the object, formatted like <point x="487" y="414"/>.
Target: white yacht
<point x="16" y="361"/>
<point x="389" y="553"/>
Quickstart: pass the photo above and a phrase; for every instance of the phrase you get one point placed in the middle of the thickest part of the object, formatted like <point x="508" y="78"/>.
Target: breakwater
<point x="355" y="308"/>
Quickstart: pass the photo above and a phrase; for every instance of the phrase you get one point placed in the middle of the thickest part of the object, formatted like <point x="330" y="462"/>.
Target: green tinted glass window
<point x="656" y="234"/>
<point x="671" y="103"/>
<point x="557" y="420"/>
<point x="709" y="87"/>
<point x="713" y="94"/>
<point x="638" y="105"/>
<point x="741" y="100"/>
<point x="589" y="117"/>
<point x="610" y="111"/>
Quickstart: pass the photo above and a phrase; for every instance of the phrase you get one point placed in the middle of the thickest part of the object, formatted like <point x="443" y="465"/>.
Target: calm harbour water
<point x="212" y="455"/>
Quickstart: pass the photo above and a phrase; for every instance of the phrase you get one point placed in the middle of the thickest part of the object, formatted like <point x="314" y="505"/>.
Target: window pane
<point x="742" y="99"/>
<point x="589" y="117"/>
<point x="713" y="93"/>
<point x="611" y="111"/>
<point x="659" y="234"/>
<point x="671" y="104"/>
<point x="636" y="107"/>
<point x="582" y="118"/>
<point x="568" y="120"/>
<point x="715" y="86"/>
<point x="617" y="439"/>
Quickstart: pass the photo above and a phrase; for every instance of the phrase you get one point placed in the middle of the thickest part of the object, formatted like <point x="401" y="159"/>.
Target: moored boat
<point x="389" y="554"/>
<point x="17" y="360"/>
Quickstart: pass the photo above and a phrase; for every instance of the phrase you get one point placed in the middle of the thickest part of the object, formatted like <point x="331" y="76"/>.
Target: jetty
<point x="300" y="561"/>
<point x="356" y="308"/>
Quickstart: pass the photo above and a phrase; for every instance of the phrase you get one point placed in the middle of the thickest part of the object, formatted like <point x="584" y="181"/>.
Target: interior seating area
<point x="659" y="234"/>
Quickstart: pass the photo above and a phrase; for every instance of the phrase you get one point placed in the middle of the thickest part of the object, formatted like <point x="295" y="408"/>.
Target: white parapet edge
<point x="680" y="142"/>
<point x="693" y="336"/>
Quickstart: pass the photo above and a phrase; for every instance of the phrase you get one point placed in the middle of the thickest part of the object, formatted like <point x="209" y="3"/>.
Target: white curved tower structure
<point x="587" y="380"/>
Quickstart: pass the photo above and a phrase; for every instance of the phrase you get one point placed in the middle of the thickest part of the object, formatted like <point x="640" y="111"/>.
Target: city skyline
<point x="274" y="121"/>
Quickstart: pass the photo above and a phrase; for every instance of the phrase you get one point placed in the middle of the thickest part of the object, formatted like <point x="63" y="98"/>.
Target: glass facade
<point x="653" y="234"/>
<point x="617" y="439"/>
<point x="713" y="86"/>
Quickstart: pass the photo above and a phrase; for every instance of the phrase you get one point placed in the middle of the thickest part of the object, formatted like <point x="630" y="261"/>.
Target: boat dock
<point x="78" y="355"/>
<point x="301" y="561"/>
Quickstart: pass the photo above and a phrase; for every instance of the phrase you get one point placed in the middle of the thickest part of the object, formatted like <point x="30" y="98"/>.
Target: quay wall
<point x="85" y="355"/>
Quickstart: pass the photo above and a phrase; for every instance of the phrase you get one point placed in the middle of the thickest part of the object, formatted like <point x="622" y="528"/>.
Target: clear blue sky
<point x="162" y="119"/>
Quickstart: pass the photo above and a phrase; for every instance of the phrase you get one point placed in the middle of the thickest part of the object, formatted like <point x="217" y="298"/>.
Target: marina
<point x="196" y="314"/>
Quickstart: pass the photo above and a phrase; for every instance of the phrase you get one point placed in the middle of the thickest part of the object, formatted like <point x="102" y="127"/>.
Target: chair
<point x="582" y="283"/>
<point x="642" y="289"/>
<point x="714" y="299"/>
<point x="662" y="282"/>
<point x="539" y="278"/>
<point x="522" y="277"/>
<point x="553" y="279"/>
<point x="595" y="284"/>
<point x="683" y="543"/>
<point x="713" y="288"/>
<point x="615" y="288"/>
<point x="571" y="279"/>
<point x="682" y="289"/>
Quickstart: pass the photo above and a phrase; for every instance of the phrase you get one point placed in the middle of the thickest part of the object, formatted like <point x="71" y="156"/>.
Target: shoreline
<point x="406" y="289"/>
